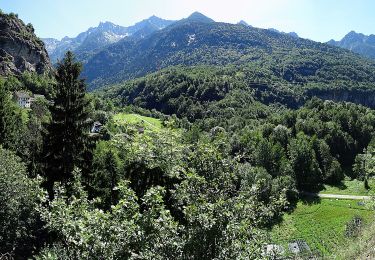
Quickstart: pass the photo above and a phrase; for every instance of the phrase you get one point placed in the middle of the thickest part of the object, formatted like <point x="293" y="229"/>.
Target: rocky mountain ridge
<point x="20" y="49"/>
<point x="95" y="38"/>
<point x="357" y="42"/>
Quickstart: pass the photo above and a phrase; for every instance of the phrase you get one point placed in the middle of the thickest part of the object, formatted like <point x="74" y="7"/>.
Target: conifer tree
<point x="68" y="132"/>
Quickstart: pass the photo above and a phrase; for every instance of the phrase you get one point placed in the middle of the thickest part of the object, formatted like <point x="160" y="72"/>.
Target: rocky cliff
<point x="20" y="49"/>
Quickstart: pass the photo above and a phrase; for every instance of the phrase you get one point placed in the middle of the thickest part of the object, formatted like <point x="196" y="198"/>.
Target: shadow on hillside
<point x="309" y="199"/>
<point x="341" y="185"/>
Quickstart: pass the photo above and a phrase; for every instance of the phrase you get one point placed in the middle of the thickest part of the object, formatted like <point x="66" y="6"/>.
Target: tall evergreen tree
<point x="67" y="134"/>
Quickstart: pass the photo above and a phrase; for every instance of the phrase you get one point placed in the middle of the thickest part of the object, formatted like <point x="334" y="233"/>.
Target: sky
<point x="319" y="20"/>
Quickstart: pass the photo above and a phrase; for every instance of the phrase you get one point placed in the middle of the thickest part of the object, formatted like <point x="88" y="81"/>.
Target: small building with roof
<point x="22" y="98"/>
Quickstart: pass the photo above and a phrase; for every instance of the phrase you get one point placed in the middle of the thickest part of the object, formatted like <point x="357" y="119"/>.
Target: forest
<point x="207" y="181"/>
<point x="199" y="140"/>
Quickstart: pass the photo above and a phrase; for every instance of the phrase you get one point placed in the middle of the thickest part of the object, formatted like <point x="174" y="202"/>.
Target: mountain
<point x="20" y="49"/>
<point x="94" y="39"/>
<point x="293" y="34"/>
<point x="244" y="23"/>
<point x="198" y="17"/>
<point x="267" y="55"/>
<point x="358" y="43"/>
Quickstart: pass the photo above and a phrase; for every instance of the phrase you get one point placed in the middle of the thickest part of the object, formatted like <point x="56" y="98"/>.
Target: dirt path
<point x="336" y="196"/>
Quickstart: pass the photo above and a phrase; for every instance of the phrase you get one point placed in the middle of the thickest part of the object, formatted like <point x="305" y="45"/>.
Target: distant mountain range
<point x="113" y="54"/>
<point x="285" y="67"/>
<point x="94" y="39"/>
<point x="267" y="55"/>
<point x="358" y="43"/>
<point x="90" y="42"/>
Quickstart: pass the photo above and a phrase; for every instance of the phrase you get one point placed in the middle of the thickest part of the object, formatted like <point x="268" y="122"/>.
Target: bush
<point x="18" y="199"/>
<point x="353" y="227"/>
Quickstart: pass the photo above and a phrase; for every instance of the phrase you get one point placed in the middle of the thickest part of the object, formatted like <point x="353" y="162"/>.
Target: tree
<point x="10" y="120"/>
<point x="86" y="232"/>
<point x="304" y="163"/>
<point x="67" y="134"/>
<point x="19" y="196"/>
<point x="364" y="166"/>
<point x="106" y="176"/>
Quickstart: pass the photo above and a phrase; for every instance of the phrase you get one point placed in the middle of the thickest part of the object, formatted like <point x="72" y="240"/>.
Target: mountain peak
<point x="199" y="17"/>
<point x="105" y="25"/>
<point x="353" y="36"/>
<point x="154" y="17"/>
<point x="242" y="22"/>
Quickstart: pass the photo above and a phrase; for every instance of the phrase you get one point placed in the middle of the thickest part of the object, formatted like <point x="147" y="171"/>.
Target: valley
<point x="185" y="139"/>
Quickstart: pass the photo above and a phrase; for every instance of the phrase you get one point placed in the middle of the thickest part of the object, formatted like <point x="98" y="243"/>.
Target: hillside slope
<point x="270" y="55"/>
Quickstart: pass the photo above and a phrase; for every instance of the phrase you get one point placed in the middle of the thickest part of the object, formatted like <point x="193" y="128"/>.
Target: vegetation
<point x="134" y="119"/>
<point x="21" y="228"/>
<point x="321" y="224"/>
<point x="350" y="187"/>
<point x="187" y="163"/>
<point x="258" y="54"/>
<point x="67" y="133"/>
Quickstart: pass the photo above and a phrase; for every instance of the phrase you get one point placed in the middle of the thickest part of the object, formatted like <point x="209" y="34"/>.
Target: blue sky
<point x="319" y="20"/>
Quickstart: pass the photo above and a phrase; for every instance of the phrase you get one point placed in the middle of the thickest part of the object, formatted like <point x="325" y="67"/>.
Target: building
<point x="23" y="99"/>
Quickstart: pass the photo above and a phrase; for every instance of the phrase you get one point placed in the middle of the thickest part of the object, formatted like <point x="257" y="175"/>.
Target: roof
<point x="21" y="94"/>
<point x="39" y="96"/>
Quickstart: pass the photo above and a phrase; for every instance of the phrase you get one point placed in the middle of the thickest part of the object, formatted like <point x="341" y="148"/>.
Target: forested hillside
<point x="199" y="160"/>
<point x="270" y="56"/>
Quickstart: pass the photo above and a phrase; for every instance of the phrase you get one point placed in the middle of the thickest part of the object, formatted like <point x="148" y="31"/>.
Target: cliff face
<point x="20" y="49"/>
<point x="363" y="97"/>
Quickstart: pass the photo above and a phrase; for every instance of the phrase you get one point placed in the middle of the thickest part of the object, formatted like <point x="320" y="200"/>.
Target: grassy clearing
<point x="321" y="224"/>
<point x="363" y="248"/>
<point x="350" y="187"/>
<point x="147" y="122"/>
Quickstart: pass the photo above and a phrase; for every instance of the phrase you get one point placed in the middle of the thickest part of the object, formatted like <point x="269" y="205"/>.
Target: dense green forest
<point x="198" y="162"/>
<point x="220" y="171"/>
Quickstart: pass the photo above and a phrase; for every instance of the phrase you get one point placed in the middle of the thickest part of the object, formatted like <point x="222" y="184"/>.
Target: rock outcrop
<point x="20" y="49"/>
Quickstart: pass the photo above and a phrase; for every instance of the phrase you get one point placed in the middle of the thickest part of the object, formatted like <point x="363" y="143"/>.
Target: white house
<point x="23" y="99"/>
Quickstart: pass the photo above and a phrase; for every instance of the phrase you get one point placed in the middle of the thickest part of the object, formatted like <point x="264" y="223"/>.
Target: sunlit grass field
<point x="350" y="187"/>
<point x="320" y="223"/>
<point x="147" y="122"/>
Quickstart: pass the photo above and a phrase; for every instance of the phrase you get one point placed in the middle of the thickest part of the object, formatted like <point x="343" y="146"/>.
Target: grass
<point x="321" y="224"/>
<point x="363" y="248"/>
<point x="147" y="122"/>
<point x="350" y="187"/>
